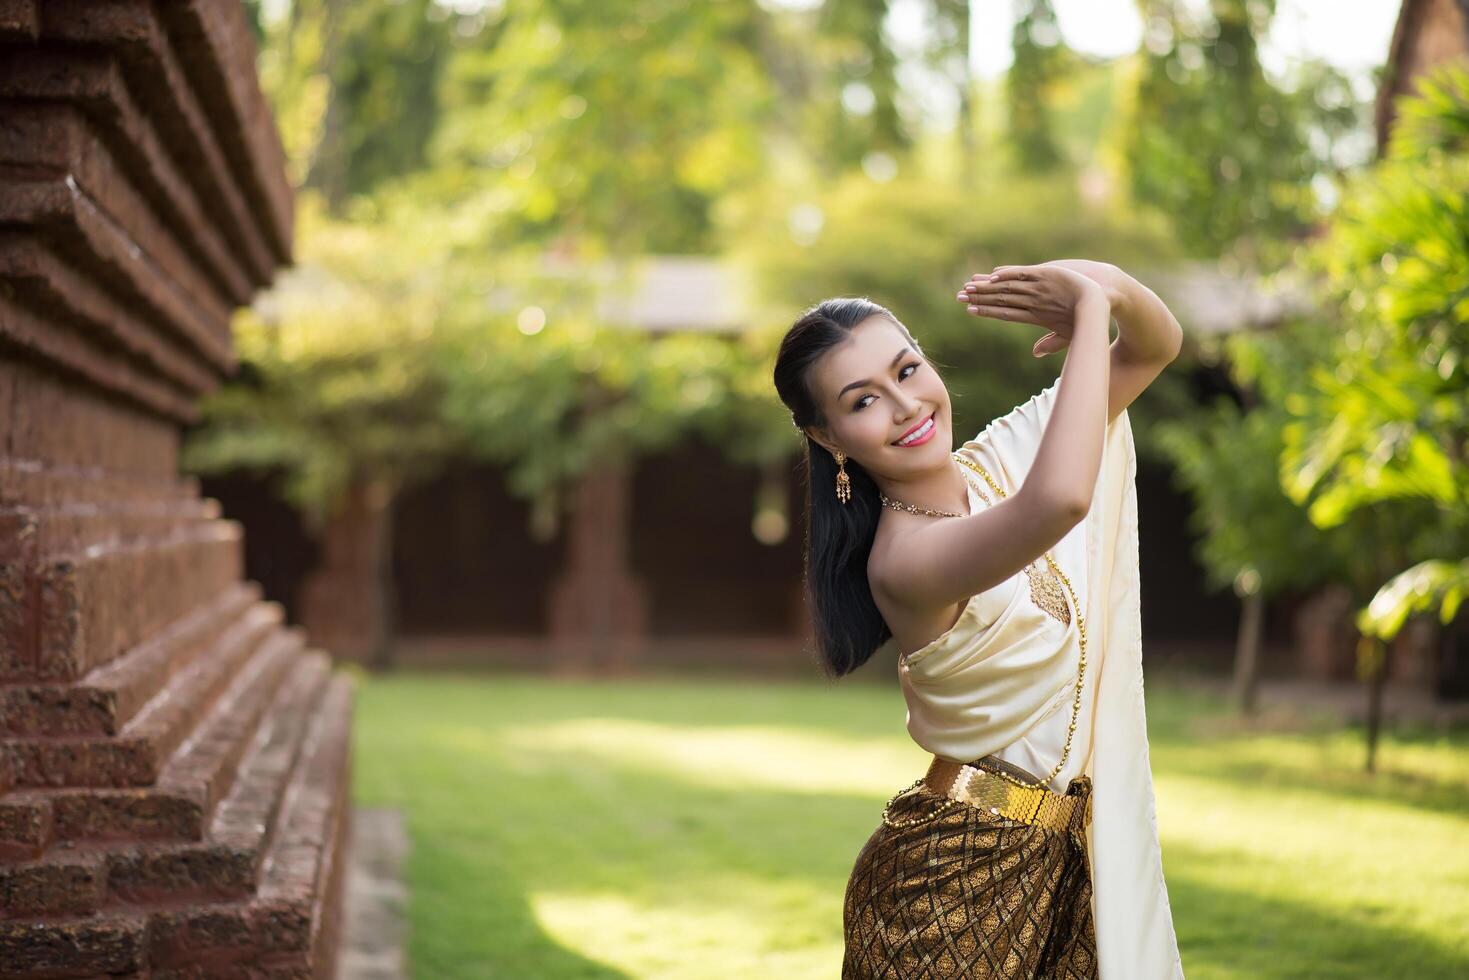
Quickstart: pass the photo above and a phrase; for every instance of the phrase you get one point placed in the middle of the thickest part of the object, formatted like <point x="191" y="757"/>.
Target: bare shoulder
<point x="892" y="532"/>
<point x="911" y="626"/>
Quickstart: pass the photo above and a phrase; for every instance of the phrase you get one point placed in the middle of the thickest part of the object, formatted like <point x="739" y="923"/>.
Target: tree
<point x="1214" y="143"/>
<point x="1252" y="537"/>
<point x="601" y="134"/>
<point x="1380" y="432"/>
<point x="338" y="401"/>
<point x="1040" y="61"/>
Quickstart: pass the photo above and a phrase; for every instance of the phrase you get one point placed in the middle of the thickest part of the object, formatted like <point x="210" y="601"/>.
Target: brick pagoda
<point x="174" y="758"/>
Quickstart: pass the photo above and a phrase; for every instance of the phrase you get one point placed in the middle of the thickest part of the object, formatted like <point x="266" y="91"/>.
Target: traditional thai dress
<point x="969" y="894"/>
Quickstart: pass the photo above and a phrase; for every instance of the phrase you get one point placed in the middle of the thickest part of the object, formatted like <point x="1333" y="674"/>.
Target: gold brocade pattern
<point x="1045" y="591"/>
<point x="969" y="895"/>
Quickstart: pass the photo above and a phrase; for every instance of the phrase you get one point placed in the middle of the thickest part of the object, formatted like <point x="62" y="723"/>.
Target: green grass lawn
<point x="697" y="828"/>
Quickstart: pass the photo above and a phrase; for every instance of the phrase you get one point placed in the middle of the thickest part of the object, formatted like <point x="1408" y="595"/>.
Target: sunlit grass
<point x="705" y="829"/>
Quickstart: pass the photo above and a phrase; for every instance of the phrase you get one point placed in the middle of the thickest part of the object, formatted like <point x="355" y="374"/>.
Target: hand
<point x="1047" y="295"/>
<point x="1112" y="279"/>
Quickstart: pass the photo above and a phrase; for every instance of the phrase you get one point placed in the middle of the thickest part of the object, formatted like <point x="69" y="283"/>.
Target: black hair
<point x="848" y="626"/>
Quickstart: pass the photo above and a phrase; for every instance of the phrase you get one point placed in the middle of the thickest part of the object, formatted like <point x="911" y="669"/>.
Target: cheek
<point x="869" y="430"/>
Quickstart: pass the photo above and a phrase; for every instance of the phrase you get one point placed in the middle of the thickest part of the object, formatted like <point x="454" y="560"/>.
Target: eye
<point x="861" y="403"/>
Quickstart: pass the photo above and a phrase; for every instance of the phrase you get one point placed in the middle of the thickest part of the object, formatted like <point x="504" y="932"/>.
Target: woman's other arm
<point x="1148" y="335"/>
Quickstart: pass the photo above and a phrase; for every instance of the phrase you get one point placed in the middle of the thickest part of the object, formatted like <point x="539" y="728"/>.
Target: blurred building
<point x="671" y="561"/>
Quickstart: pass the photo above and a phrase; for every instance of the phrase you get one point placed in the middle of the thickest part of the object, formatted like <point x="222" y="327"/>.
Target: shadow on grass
<point x="470" y="918"/>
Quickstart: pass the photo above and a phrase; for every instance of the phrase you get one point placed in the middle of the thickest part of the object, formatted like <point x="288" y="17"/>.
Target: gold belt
<point x="985" y="789"/>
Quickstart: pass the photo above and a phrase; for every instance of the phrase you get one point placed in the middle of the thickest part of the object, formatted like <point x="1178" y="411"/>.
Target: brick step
<point x="149" y="59"/>
<point x="296" y="913"/>
<point x="289" y="928"/>
<point x="307" y="870"/>
<point x="66" y="527"/>
<point x="108" y="697"/>
<point x="98" y="88"/>
<point x="227" y="863"/>
<point x="61" y="883"/>
<point x="24" y="478"/>
<point x="77" y="877"/>
<point x="26" y="823"/>
<point x="111" y="945"/>
<point x="134" y="756"/>
<point x="63" y="140"/>
<point x="76" y="619"/>
<point x="31" y="819"/>
<point x="176" y="808"/>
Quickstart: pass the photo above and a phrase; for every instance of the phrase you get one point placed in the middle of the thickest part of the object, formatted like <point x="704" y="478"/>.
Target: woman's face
<point x="874" y="390"/>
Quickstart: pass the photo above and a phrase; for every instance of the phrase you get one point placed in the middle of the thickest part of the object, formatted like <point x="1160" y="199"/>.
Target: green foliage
<point x="1040" y="61"/>
<point x="354" y="86"/>
<point x="384" y="69"/>
<point x="337" y="381"/>
<point x="1214" y="143"/>
<point x="1252" y="537"/>
<point x="1433" y="117"/>
<point x="573" y="391"/>
<point x="1381" y="427"/>
<point x="845" y="61"/>
<point x="610" y="132"/>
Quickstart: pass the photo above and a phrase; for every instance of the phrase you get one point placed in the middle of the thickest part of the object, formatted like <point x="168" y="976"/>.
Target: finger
<point x="1002" y="288"/>
<point x="1002" y="297"/>
<point x="1013" y="272"/>
<point x="1013" y="314"/>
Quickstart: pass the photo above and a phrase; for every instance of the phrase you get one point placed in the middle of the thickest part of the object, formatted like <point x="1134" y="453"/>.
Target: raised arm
<point x="939" y="564"/>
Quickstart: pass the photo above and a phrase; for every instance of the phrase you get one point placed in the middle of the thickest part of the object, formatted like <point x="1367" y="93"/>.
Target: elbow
<point x="1177" y="346"/>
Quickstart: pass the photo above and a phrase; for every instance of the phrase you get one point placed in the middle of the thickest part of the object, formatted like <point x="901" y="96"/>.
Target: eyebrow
<point x="868" y="381"/>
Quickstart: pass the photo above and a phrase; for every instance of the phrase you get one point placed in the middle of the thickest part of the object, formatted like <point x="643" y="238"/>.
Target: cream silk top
<point x="1001" y="681"/>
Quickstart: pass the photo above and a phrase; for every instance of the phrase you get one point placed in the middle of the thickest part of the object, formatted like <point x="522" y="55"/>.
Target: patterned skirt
<point x="969" y="894"/>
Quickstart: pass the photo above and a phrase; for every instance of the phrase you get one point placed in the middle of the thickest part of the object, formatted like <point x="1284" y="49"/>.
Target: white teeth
<point x="919" y="434"/>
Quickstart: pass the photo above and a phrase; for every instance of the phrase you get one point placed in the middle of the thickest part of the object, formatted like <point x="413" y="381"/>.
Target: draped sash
<point x="1004" y="665"/>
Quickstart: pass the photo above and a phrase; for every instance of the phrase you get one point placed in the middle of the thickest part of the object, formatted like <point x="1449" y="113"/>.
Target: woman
<point x="1006" y="574"/>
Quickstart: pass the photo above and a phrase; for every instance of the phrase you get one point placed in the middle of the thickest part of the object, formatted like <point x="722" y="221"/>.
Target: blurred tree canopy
<point x="1040" y="61"/>
<point x="1211" y="140"/>
<point x="456" y="147"/>
<point x="338" y="383"/>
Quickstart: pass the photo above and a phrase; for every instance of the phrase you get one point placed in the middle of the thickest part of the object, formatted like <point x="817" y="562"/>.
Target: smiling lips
<point x="919" y="434"/>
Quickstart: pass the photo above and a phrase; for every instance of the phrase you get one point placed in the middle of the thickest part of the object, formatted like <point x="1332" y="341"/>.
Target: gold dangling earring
<point x="844" y="483"/>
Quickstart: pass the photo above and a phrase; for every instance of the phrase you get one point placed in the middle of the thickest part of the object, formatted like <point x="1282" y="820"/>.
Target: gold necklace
<point x="1080" y="670"/>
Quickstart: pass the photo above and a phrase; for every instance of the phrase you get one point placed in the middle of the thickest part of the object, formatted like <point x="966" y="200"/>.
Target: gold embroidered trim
<point x="1045" y="585"/>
